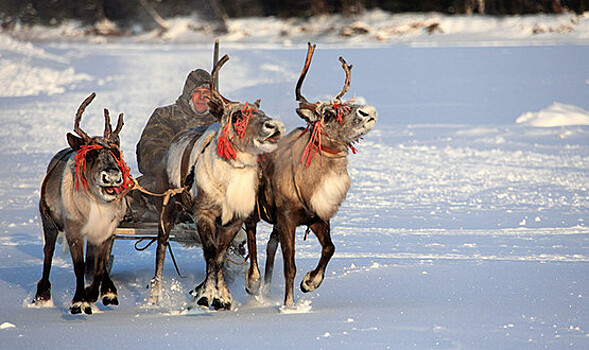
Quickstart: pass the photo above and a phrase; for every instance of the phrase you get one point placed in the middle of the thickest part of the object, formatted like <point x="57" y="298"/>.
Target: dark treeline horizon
<point x="146" y="12"/>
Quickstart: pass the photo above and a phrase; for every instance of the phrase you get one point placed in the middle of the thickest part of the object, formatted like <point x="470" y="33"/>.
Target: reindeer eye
<point x="115" y="151"/>
<point x="236" y="116"/>
<point x="329" y="114"/>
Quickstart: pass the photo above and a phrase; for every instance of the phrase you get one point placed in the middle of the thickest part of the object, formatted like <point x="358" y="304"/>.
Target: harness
<point x="224" y="145"/>
<point x="317" y="130"/>
<point x="80" y="163"/>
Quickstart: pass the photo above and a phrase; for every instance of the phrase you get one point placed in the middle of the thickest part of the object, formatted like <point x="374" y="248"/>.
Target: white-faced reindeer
<point x="220" y="166"/>
<point x="305" y="180"/>
<point x="80" y="196"/>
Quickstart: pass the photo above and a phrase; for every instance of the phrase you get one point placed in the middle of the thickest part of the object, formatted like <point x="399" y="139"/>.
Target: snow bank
<point x="369" y="28"/>
<point x="558" y="114"/>
<point x="22" y="76"/>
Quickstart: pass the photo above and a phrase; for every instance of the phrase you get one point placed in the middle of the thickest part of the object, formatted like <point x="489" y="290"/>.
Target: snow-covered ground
<point x="465" y="227"/>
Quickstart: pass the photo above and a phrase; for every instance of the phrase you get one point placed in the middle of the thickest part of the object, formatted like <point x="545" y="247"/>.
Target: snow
<point x="465" y="226"/>
<point x="557" y="114"/>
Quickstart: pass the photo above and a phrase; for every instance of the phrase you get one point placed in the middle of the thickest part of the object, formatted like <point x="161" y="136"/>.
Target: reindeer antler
<point x="118" y="128"/>
<point x="107" y="126"/>
<point x="81" y="109"/>
<point x="214" y="89"/>
<point x="109" y="135"/>
<point x="348" y="70"/>
<point x="299" y="97"/>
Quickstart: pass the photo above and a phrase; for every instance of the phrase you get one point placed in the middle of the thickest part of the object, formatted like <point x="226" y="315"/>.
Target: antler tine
<point x="107" y="126"/>
<point x="348" y="70"/>
<point x="81" y="109"/>
<point x="298" y="95"/>
<point x="216" y="69"/>
<point x="118" y="128"/>
<point x="214" y="89"/>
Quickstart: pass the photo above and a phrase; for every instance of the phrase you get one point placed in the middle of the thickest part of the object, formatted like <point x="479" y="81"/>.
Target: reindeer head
<point x="99" y="165"/>
<point x="339" y="121"/>
<point x="244" y="127"/>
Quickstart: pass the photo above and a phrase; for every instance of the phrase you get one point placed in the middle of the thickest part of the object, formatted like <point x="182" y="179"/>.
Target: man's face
<point x="200" y="97"/>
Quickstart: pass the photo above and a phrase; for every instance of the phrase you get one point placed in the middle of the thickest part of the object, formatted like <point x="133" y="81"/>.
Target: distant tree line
<point x="53" y="12"/>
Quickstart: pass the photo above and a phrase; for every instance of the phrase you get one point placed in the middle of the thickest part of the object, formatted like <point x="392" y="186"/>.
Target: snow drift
<point x="557" y="114"/>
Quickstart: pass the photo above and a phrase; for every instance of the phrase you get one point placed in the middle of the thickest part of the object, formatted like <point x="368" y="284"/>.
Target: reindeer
<point x="305" y="180"/>
<point x="219" y="165"/>
<point x="81" y="196"/>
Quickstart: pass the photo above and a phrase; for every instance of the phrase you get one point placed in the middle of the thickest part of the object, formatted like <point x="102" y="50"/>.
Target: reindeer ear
<point x="257" y="103"/>
<point x="74" y="141"/>
<point x="307" y="114"/>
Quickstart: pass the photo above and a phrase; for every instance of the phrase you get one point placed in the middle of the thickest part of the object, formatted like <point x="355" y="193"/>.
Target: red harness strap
<point x="314" y="145"/>
<point x="80" y="162"/>
<point x="224" y="147"/>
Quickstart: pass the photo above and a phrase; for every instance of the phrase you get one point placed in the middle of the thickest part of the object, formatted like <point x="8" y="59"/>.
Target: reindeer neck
<point x="239" y="164"/>
<point x="334" y="152"/>
<point x="333" y="148"/>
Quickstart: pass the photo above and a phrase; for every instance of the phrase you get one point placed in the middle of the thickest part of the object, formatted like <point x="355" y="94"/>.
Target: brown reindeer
<point x="220" y="166"/>
<point x="305" y="180"/>
<point x="81" y="197"/>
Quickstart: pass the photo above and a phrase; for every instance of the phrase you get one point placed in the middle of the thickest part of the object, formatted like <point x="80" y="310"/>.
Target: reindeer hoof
<point x="42" y="300"/>
<point x="80" y="307"/>
<point x="204" y="301"/>
<point x="219" y="305"/>
<point x="309" y="284"/>
<point x="110" y="299"/>
<point x="75" y="309"/>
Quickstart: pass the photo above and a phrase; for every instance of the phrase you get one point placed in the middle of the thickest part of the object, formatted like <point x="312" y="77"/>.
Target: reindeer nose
<point x="269" y="126"/>
<point x="368" y="113"/>
<point x="111" y="177"/>
<point x="274" y="127"/>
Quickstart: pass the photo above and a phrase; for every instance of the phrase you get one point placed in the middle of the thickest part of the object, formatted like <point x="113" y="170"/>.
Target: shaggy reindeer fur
<point x="222" y="185"/>
<point x="305" y="181"/>
<point x="83" y="202"/>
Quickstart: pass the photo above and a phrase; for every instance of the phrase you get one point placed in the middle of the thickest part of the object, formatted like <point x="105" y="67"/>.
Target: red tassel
<point x="314" y="145"/>
<point x="224" y="147"/>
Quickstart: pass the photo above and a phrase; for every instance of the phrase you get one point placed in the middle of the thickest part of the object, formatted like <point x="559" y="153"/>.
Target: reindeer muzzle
<point x="111" y="181"/>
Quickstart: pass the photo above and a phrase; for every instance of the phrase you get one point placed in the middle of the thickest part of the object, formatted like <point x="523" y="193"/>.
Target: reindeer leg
<point x="79" y="302"/>
<point x="252" y="285"/>
<point x="287" y="229"/>
<point x="90" y="260"/>
<point x="50" y="233"/>
<point x="271" y="248"/>
<point x="205" y="293"/>
<point x="314" y="278"/>
<point x="225" y="236"/>
<point x="96" y="271"/>
<point x="108" y="291"/>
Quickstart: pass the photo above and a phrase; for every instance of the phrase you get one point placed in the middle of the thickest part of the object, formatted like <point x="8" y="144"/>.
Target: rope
<point x="167" y="195"/>
<point x="236" y="263"/>
<point x="140" y="249"/>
